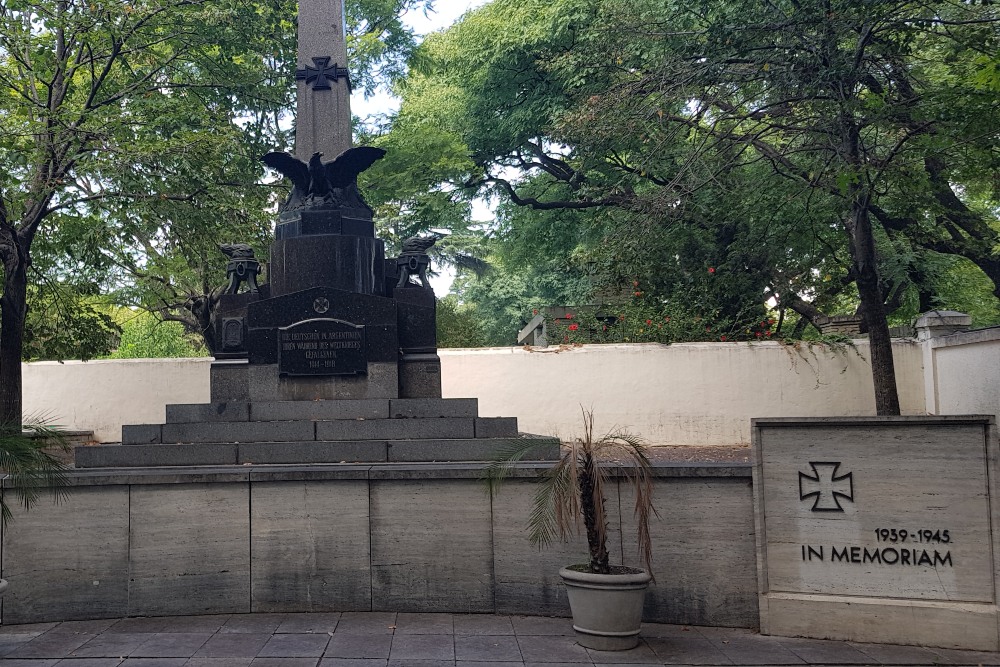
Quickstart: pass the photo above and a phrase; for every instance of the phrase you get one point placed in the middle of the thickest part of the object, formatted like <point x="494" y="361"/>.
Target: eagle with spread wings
<point x="321" y="184"/>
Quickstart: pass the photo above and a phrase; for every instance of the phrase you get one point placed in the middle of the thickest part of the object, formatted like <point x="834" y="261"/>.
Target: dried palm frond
<point x="26" y="467"/>
<point x="571" y="493"/>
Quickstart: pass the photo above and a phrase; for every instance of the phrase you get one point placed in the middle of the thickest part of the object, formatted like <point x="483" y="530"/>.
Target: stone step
<point x="374" y="408"/>
<point x="341" y="429"/>
<point x="340" y="451"/>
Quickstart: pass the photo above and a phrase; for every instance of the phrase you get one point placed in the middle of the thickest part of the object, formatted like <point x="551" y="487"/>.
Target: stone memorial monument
<point x="878" y="529"/>
<point x="334" y="358"/>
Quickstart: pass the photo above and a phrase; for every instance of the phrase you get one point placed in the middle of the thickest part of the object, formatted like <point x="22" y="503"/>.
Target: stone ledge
<point x="872" y="420"/>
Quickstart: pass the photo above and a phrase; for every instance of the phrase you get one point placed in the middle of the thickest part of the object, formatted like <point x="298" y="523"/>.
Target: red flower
<point x="722" y="338"/>
<point x="621" y="318"/>
<point x="649" y="321"/>
<point x="534" y="311"/>
<point x="767" y="333"/>
<point x="569" y="316"/>
<point x="605" y="327"/>
<point x="574" y="327"/>
<point x="758" y="334"/>
<point x="770" y="321"/>
<point x="711" y="269"/>
<point x="638" y="293"/>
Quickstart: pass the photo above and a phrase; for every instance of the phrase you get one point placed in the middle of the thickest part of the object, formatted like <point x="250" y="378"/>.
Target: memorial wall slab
<point x="865" y="525"/>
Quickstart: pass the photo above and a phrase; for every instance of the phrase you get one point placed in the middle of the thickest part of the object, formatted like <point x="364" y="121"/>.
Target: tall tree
<point x="849" y="125"/>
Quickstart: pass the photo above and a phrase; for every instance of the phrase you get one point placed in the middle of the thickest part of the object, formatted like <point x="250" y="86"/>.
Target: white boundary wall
<point x="682" y="394"/>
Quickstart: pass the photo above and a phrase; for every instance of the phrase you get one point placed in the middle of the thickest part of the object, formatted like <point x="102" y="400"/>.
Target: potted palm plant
<point x="606" y="600"/>
<point x="27" y="465"/>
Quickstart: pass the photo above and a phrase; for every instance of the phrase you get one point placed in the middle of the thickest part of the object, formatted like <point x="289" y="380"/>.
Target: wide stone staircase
<point x="385" y="430"/>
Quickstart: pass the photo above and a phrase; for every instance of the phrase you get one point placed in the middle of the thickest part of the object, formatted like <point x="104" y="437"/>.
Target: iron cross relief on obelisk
<point x="323" y="110"/>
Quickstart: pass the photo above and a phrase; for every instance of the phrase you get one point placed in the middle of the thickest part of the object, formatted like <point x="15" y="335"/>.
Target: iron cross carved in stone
<point x="321" y="73"/>
<point x="826" y="487"/>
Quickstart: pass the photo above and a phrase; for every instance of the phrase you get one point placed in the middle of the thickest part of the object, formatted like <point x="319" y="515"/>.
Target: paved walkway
<point x="414" y="640"/>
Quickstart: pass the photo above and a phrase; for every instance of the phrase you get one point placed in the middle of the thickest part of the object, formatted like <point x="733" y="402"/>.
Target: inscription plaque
<point x="322" y="347"/>
<point x="864" y="525"/>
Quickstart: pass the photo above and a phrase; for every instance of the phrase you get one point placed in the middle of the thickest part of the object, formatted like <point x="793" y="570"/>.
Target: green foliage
<point x="62" y="324"/>
<point x="457" y="325"/>
<point x="144" y="336"/>
<point x="27" y="460"/>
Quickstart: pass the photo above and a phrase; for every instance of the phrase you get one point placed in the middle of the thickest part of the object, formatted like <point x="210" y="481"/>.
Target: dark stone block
<point x="141" y="434"/>
<point x="350" y="263"/>
<point x="231" y="411"/>
<point x="239" y="432"/>
<point x="350" y="222"/>
<point x="496" y="427"/>
<point x="416" y="323"/>
<point x="481" y="449"/>
<point x="121" y="456"/>
<point x="394" y="429"/>
<point x="418" y="408"/>
<point x="420" y="376"/>
<point x="340" y="304"/>
<point x="228" y="381"/>
<point x="382" y="381"/>
<point x="375" y="408"/>
<point x="313" y="452"/>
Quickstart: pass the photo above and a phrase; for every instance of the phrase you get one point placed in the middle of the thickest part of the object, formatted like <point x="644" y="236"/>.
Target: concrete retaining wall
<point x="390" y="537"/>
<point x="686" y="394"/>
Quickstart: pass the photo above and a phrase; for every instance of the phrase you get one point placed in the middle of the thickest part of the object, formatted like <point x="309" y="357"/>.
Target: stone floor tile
<point x="90" y="662"/>
<point x="477" y="663"/>
<point x="218" y="662"/>
<point x="552" y="649"/>
<point x="110" y="645"/>
<point x="317" y="623"/>
<point x="483" y="624"/>
<point x="484" y="648"/>
<point x="558" y="664"/>
<point x="28" y="662"/>
<point x="541" y="625"/>
<point x="424" y="624"/>
<point x="254" y="623"/>
<point x="367" y="622"/>
<point x="640" y="655"/>
<point x="171" y="645"/>
<point x="422" y="647"/>
<point x="712" y="632"/>
<point x="956" y="657"/>
<point x="140" y="624"/>
<point x="421" y="663"/>
<point x="11" y="642"/>
<point x="51" y="645"/>
<point x="753" y="650"/>
<point x="205" y="623"/>
<point x="891" y="654"/>
<point x="154" y="662"/>
<point x="284" y="662"/>
<point x="26" y="628"/>
<point x="233" y="645"/>
<point x="295" y="646"/>
<point x="358" y="646"/>
<point x="86" y="627"/>
<point x="352" y="662"/>
<point x="687" y="651"/>
<point x="816" y="651"/>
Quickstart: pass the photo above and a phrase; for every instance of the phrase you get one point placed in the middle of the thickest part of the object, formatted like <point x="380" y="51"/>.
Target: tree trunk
<point x="862" y="243"/>
<point x="13" y="308"/>
<point x="596" y="539"/>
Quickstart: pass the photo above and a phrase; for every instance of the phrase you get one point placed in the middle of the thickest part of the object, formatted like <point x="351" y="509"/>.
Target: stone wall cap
<point x="871" y="420"/>
<point x="944" y="317"/>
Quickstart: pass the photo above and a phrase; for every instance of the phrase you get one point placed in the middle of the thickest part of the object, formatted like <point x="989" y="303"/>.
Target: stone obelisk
<point x="323" y="109"/>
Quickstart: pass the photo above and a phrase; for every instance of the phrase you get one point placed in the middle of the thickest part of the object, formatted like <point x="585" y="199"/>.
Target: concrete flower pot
<point x="607" y="608"/>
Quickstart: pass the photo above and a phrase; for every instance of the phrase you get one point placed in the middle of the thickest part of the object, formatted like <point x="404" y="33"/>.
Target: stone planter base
<point x="607" y="608"/>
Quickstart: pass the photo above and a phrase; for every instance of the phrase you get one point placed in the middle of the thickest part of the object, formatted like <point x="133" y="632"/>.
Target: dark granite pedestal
<point x="336" y="431"/>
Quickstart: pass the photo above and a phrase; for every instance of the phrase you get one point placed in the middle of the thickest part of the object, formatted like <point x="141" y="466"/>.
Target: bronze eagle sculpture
<point x="318" y="184"/>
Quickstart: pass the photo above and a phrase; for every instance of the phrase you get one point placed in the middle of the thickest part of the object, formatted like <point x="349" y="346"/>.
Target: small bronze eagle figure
<point x="318" y="184"/>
